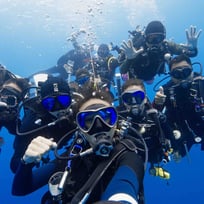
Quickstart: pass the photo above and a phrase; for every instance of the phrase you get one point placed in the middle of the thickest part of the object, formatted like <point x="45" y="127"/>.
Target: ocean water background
<point x="33" y="36"/>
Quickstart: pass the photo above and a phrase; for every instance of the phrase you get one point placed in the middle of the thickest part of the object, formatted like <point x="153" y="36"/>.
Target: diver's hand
<point x="3" y="106"/>
<point x="160" y="97"/>
<point x="37" y="148"/>
<point x="176" y="134"/>
<point x="129" y="50"/>
<point x="192" y="36"/>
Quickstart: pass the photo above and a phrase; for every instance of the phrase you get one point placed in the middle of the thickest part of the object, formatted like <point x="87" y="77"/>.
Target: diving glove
<point x="192" y="36"/>
<point x="129" y="50"/>
<point x="37" y="149"/>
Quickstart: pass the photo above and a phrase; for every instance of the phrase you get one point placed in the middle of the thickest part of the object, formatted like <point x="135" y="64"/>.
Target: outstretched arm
<point x="27" y="179"/>
<point x="190" y="48"/>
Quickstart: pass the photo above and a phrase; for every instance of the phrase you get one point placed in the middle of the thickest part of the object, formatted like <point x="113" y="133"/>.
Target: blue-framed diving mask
<point x="106" y="115"/>
<point x="98" y="128"/>
<point x="82" y="79"/>
<point x="56" y="102"/>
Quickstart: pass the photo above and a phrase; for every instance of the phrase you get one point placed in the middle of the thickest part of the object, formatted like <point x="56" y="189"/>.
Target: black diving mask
<point x="133" y="97"/>
<point x="10" y="100"/>
<point x="10" y="96"/>
<point x="181" y="72"/>
<point x="155" y="38"/>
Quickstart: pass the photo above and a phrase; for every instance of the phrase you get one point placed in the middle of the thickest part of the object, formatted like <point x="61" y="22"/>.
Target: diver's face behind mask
<point x="155" y="38"/>
<point x="9" y="100"/>
<point x="10" y="95"/>
<point x="134" y="99"/>
<point x="57" y="105"/>
<point x="56" y="102"/>
<point x="97" y="120"/>
<point x="181" y="71"/>
<point x="82" y="79"/>
<point x="103" y="51"/>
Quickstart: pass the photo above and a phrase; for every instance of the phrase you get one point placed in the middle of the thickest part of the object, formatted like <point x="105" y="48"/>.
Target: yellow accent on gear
<point x="162" y="173"/>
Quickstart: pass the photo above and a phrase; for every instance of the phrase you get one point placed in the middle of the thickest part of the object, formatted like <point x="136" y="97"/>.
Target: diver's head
<point x="96" y="119"/>
<point x="82" y="76"/>
<point x="180" y="68"/>
<point x="55" y="95"/>
<point x="12" y="91"/>
<point x="6" y="75"/>
<point x="103" y="51"/>
<point x="134" y="96"/>
<point x="11" y="94"/>
<point x="155" y="33"/>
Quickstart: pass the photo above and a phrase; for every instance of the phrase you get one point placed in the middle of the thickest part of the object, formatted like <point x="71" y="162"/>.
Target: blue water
<point x="33" y="36"/>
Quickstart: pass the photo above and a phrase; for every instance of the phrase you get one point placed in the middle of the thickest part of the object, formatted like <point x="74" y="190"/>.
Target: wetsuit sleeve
<point x="21" y="142"/>
<point x="178" y="49"/>
<point x="124" y="67"/>
<point x="128" y="178"/>
<point x="20" y="145"/>
<point x="27" y="179"/>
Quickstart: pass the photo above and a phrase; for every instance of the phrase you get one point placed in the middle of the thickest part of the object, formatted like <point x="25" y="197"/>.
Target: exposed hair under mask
<point x="132" y="82"/>
<point x="21" y="83"/>
<point x="92" y="93"/>
<point x="178" y="59"/>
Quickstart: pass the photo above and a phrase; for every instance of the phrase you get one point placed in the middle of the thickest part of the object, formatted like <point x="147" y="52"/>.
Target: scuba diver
<point x="181" y="98"/>
<point x="148" y="51"/>
<point x="148" y="126"/>
<point x="96" y="159"/>
<point x="70" y="62"/>
<point x="12" y="89"/>
<point x="85" y="79"/>
<point x="103" y="66"/>
<point x="82" y="77"/>
<point x="46" y="111"/>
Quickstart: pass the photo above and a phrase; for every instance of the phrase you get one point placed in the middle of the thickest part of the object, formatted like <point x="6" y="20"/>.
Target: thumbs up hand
<point x="160" y="97"/>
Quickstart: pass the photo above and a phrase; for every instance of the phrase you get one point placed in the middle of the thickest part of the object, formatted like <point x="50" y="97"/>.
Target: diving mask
<point x="86" y="119"/>
<point x="56" y="102"/>
<point x="155" y="38"/>
<point x="133" y="97"/>
<point x="181" y="72"/>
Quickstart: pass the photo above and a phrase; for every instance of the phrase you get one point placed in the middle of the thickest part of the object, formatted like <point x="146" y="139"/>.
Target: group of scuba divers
<point x="90" y="145"/>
